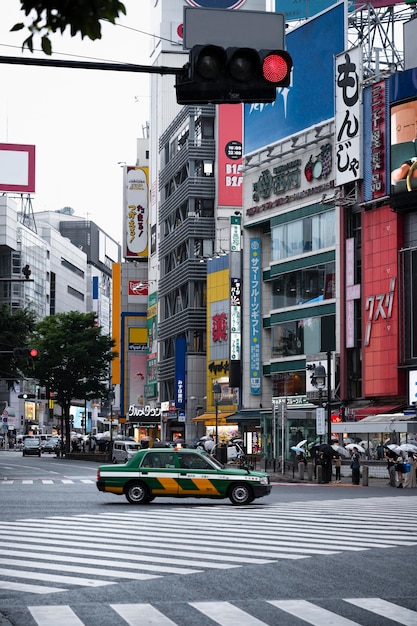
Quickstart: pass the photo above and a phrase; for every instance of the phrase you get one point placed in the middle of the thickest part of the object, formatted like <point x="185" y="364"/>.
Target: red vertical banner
<point x="230" y="155"/>
<point x="381" y="240"/>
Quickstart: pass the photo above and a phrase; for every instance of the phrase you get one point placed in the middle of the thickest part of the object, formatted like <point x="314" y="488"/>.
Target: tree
<point x="15" y="329"/>
<point x="81" y="16"/>
<point x="74" y="359"/>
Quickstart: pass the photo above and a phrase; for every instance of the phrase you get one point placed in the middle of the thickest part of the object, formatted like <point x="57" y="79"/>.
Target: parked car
<point x="124" y="450"/>
<point x="180" y="473"/>
<point x="32" y="447"/>
<point x="50" y="445"/>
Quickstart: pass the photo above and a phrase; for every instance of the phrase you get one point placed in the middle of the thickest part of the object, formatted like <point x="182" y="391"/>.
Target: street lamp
<point x="318" y="379"/>
<point x="217" y="394"/>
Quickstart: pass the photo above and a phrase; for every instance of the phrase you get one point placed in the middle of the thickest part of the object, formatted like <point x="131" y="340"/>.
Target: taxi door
<point x="159" y="472"/>
<point x="197" y="476"/>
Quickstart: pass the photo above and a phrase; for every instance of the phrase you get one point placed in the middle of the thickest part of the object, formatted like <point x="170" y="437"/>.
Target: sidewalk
<point x="346" y="481"/>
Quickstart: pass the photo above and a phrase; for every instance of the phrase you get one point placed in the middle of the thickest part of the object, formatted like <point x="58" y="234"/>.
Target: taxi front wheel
<point x="137" y="493"/>
<point x="241" y="494"/>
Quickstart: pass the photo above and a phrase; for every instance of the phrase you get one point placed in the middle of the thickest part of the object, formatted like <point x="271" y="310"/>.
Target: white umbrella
<point x="350" y="446"/>
<point x="394" y="447"/>
<point x="408" y="447"/>
<point x="301" y="443"/>
<point x="340" y="449"/>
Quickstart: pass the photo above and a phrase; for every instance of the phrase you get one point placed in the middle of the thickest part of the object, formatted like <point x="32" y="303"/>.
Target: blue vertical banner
<point x="180" y="350"/>
<point x="255" y="315"/>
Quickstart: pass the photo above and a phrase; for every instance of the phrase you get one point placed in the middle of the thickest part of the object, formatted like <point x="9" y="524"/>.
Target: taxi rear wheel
<point x="137" y="493"/>
<point x="241" y="494"/>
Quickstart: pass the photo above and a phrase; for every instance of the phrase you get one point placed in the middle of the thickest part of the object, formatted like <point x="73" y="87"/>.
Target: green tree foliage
<point x="15" y="329"/>
<point x="81" y="16"/>
<point x="74" y="359"/>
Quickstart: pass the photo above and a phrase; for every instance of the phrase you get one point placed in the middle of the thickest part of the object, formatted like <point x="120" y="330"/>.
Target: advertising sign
<point x="230" y="153"/>
<point x="348" y="124"/>
<point x="17" y="168"/>
<point x="375" y="148"/>
<point x="310" y="97"/>
<point x="180" y="353"/>
<point x="403" y="114"/>
<point x="136" y="205"/>
<point x="255" y="318"/>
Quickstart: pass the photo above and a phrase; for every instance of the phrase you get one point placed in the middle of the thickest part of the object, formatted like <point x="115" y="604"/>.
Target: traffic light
<point x="27" y="396"/>
<point x="232" y="75"/>
<point x="25" y="352"/>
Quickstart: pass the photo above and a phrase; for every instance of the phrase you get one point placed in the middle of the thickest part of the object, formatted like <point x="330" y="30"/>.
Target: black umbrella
<point x="326" y="449"/>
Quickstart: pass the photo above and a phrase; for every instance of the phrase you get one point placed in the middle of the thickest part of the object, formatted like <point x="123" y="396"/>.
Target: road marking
<point x="386" y="609"/>
<point x="47" y="481"/>
<point x="27" y="482"/>
<point x="72" y="580"/>
<point x="226" y="614"/>
<point x="310" y="613"/>
<point x="53" y="615"/>
<point x="140" y="614"/>
<point x="13" y="586"/>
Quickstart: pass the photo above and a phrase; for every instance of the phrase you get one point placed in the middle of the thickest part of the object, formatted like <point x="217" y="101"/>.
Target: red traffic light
<point x="276" y="67"/>
<point x="33" y="352"/>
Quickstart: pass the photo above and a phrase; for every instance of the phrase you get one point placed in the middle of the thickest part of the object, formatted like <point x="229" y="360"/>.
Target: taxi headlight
<point x="265" y="480"/>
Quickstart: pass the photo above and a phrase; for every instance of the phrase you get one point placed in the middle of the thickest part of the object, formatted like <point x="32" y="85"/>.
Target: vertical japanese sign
<point x="348" y="149"/>
<point x="180" y="351"/>
<point x="235" y="318"/>
<point x="136" y="205"/>
<point x="255" y="315"/>
<point x="378" y="155"/>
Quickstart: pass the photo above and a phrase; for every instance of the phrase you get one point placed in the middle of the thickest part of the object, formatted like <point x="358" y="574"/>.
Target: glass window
<point x="299" y="337"/>
<point x="306" y="235"/>
<point x="306" y="286"/>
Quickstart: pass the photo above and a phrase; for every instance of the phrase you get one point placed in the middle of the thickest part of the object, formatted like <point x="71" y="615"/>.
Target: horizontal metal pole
<point x="92" y="65"/>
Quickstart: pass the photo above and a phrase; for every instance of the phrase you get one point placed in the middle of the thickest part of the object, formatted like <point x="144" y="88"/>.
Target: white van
<point x="124" y="450"/>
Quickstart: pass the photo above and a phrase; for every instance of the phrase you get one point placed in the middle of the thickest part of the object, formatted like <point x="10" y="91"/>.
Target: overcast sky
<point x="83" y="122"/>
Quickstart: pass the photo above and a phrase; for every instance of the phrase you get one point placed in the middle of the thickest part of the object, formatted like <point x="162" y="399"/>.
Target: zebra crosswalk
<point x="46" y="481"/>
<point x="229" y="614"/>
<point x="96" y="550"/>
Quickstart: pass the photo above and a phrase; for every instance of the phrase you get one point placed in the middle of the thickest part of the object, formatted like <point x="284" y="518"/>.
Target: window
<point x="305" y="235"/>
<point x="158" y="460"/>
<point x="190" y="460"/>
<point x="305" y="286"/>
<point x="306" y="336"/>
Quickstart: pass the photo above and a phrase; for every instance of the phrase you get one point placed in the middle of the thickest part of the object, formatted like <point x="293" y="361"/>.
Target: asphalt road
<point x="316" y="554"/>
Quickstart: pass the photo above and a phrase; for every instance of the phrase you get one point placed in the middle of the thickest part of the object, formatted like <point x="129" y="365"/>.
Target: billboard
<point x="17" y="168"/>
<point x="375" y="141"/>
<point x="310" y="97"/>
<point x="230" y="155"/>
<point x="136" y="212"/>
<point x="403" y="139"/>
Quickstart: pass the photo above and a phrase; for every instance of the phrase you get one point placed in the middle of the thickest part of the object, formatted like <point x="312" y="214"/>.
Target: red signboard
<point x="17" y="168"/>
<point x="230" y="161"/>
<point x="381" y="239"/>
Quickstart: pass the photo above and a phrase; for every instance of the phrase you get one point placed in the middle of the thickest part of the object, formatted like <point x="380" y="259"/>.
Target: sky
<point x="84" y="123"/>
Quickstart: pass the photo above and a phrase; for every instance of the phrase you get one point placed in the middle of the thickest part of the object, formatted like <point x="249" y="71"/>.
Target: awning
<point x="375" y="410"/>
<point x="210" y="419"/>
<point x="251" y="417"/>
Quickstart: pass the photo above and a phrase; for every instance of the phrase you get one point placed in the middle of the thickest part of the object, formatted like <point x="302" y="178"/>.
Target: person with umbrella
<point x="355" y="465"/>
<point x="410" y="477"/>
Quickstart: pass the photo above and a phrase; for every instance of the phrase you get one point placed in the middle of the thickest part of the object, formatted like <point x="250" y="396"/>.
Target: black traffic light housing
<point x="232" y="75"/>
<point x="25" y="352"/>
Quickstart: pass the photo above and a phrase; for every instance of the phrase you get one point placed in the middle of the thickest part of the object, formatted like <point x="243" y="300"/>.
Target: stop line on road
<point x="95" y="550"/>
<point x="228" y="614"/>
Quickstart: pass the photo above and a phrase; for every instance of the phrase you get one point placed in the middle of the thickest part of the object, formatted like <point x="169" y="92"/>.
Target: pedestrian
<point x="209" y="444"/>
<point x="327" y="469"/>
<point x="337" y="460"/>
<point x="410" y="477"/>
<point x="391" y="469"/>
<point x="400" y="469"/>
<point x="355" y="465"/>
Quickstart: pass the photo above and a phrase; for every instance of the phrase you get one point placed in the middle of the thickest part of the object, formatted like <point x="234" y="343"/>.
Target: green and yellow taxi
<point x="183" y="473"/>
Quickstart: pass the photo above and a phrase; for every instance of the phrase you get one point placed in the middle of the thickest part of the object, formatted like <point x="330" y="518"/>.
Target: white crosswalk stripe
<point x="46" y="481"/>
<point x="228" y="614"/>
<point x="105" y="549"/>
